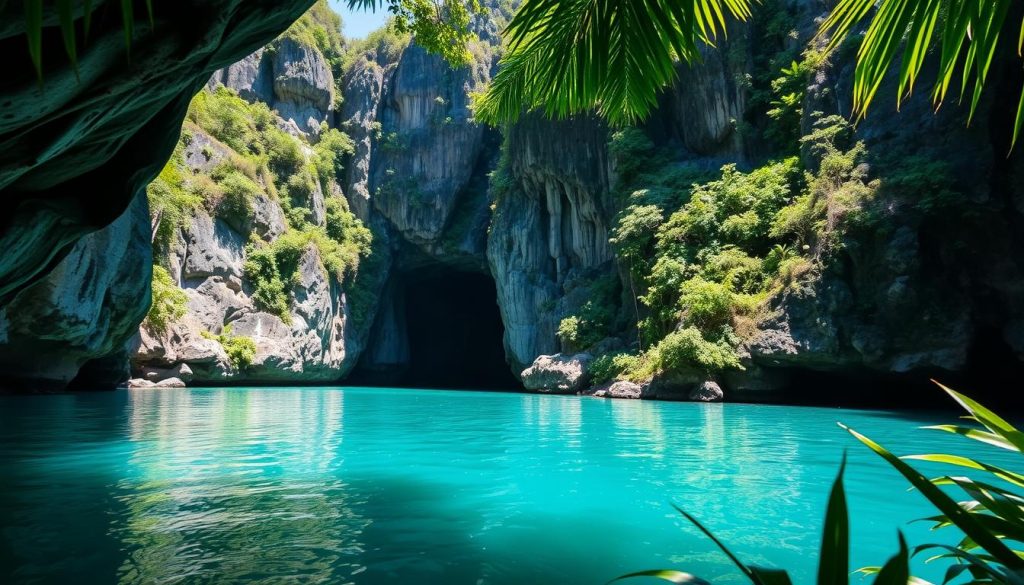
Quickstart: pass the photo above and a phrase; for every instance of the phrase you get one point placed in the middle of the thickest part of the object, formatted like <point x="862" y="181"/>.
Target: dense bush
<point x="595" y="318"/>
<point x="273" y="268"/>
<point x="169" y="301"/>
<point x="704" y="258"/>
<point x="241" y="350"/>
<point x="171" y="201"/>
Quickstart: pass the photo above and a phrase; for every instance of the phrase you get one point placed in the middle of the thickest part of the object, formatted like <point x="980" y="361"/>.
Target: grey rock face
<point x="87" y="308"/>
<point x="252" y="77"/>
<point x="293" y="79"/>
<point x="207" y="261"/>
<point x="303" y="85"/>
<point x="557" y="374"/>
<point x="549" y="230"/>
<point x="617" y="389"/>
<point x="707" y="391"/>
<point x="429" y="147"/>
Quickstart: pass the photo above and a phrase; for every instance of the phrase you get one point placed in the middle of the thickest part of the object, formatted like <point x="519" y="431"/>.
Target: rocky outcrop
<point x="558" y="374"/>
<point x="549" y="231"/>
<point x="74" y="325"/>
<point x="207" y="261"/>
<point x="291" y="77"/>
<point x="617" y="389"/>
<point x="707" y="391"/>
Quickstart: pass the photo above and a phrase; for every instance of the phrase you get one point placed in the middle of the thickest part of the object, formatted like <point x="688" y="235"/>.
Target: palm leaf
<point x="957" y="515"/>
<point x="671" y="576"/>
<point x="567" y="57"/>
<point x="834" y="565"/>
<point x="969" y="32"/>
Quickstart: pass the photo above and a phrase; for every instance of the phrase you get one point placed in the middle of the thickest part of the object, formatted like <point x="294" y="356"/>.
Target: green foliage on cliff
<point x="250" y="161"/>
<point x="320" y="28"/>
<point x="171" y="200"/>
<point x="169" y="301"/>
<point x="382" y="46"/>
<point x="273" y="267"/>
<point x="241" y="349"/>
<point x="595" y="319"/>
<point x="704" y="260"/>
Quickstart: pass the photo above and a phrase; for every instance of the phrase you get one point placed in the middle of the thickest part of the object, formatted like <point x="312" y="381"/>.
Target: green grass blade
<point x="1004" y="474"/>
<point x="1019" y="121"/>
<point x="128" y="20"/>
<point x="974" y="434"/>
<point x="989" y="419"/>
<point x="770" y="576"/>
<point x="834" y="565"/>
<point x="86" y="19"/>
<point x="735" y="560"/>
<point x="957" y="515"/>
<point x="66" y="14"/>
<point x="669" y="575"/>
<point x="34" y="32"/>
<point x="896" y="571"/>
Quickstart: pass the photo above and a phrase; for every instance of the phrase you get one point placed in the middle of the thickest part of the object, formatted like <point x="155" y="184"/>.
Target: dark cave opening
<point x="443" y="330"/>
<point x="454" y="332"/>
<point x="992" y="374"/>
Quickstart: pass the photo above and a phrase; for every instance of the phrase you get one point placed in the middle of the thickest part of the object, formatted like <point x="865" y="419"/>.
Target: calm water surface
<point x="368" y="486"/>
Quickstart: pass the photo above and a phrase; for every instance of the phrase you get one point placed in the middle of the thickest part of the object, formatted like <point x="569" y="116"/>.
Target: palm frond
<point x="967" y="34"/>
<point x="571" y="56"/>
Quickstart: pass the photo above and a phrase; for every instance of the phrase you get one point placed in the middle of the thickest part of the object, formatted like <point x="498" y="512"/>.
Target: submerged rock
<point x="707" y="391"/>
<point x="617" y="389"/>
<point x="557" y="374"/>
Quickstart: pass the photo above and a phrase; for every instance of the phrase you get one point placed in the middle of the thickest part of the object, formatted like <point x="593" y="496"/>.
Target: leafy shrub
<point x="171" y="202"/>
<point x="590" y="325"/>
<point x="634" y="231"/>
<point x="272" y="268"/>
<point x="706" y="305"/>
<point x="330" y="151"/>
<point x="630" y="148"/>
<point x="241" y="350"/>
<point x="269" y="293"/>
<point x="688" y="348"/>
<point x="169" y="301"/>
<point x="237" y="195"/>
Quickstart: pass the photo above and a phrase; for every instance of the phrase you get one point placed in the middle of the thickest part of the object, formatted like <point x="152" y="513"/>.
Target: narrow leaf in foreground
<point x="665" y="575"/>
<point x="834" y="565"/>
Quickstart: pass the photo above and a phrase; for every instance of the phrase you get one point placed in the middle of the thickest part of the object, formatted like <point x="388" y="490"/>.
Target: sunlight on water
<point x="375" y="486"/>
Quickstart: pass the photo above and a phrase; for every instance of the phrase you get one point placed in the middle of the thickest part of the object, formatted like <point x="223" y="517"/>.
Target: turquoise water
<point x="369" y="486"/>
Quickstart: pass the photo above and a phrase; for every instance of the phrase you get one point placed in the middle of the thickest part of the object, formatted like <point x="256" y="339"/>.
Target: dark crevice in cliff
<point x="443" y="331"/>
<point x="992" y="375"/>
<point x="455" y="332"/>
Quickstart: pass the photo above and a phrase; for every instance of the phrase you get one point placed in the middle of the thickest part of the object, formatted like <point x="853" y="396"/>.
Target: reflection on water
<point x="369" y="486"/>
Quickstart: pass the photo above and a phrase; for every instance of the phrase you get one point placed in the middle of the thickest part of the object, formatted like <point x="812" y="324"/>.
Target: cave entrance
<point x="444" y="330"/>
<point x="454" y="331"/>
